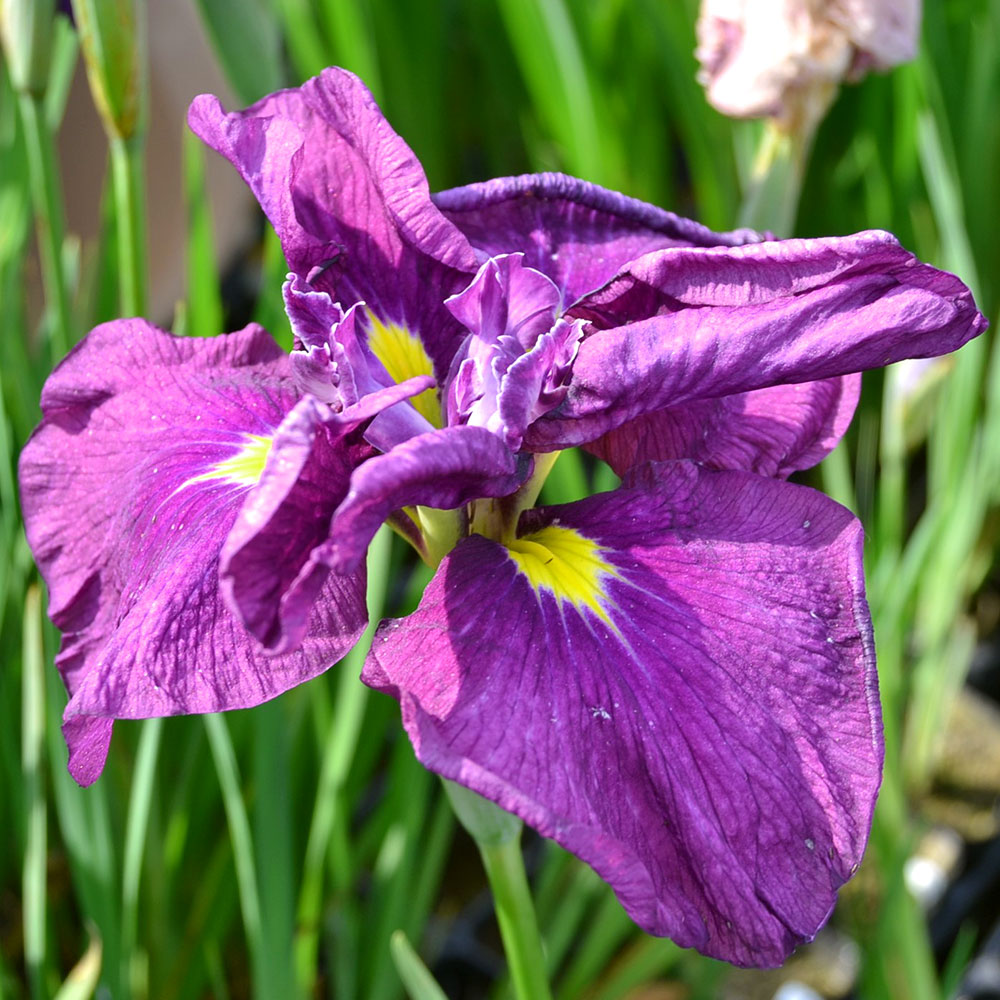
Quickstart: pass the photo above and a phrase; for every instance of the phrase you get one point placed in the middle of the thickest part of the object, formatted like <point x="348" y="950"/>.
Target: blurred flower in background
<point x="778" y="58"/>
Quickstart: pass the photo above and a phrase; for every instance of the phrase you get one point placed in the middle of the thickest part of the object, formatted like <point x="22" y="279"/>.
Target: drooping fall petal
<point x="147" y="448"/>
<point x="773" y="432"/>
<point x="676" y="681"/>
<point x="681" y="325"/>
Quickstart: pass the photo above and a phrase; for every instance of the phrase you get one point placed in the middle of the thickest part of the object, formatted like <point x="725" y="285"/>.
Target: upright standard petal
<point x="699" y="644"/>
<point x="682" y="325"/>
<point x="349" y="201"/>
<point x="578" y="234"/>
<point x="147" y="448"/>
<point x="514" y="364"/>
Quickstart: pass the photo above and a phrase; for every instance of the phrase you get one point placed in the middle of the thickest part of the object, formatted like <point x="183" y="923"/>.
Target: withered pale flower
<point x="765" y="58"/>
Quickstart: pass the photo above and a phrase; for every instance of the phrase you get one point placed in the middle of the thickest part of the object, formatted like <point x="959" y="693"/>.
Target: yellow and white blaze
<point x="567" y="564"/>
<point x="242" y="469"/>
<point x="403" y="356"/>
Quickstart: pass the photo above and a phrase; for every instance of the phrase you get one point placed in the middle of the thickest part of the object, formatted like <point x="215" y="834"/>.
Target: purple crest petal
<point x="578" y="234"/>
<point x="126" y="510"/>
<point x="349" y="201"/>
<point x="507" y="298"/>
<point x="514" y="365"/>
<point x="336" y="365"/>
<point x="443" y="469"/>
<point x="773" y="432"/>
<point x="682" y="325"/>
<point x="712" y="746"/>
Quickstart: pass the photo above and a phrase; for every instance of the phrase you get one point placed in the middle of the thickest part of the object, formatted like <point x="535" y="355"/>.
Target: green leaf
<point x="247" y="40"/>
<point x="417" y="979"/>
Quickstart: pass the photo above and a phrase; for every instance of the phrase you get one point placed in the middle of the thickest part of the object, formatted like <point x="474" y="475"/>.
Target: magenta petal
<point x="128" y="498"/>
<point x="706" y="735"/>
<point x="579" y="234"/>
<point x="283" y="519"/>
<point x="349" y="201"/>
<point x="287" y="515"/>
<point x="773" y="432"/>
<point x="684" y="325"/>
<point x="442" y="469"/>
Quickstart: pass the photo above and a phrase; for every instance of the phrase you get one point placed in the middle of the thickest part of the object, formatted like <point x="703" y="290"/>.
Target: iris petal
<point x="577" y="233"/>
<point x="128" y="493"/>
<point x="773" y="432"/>
<point x="349" y="201"/>
<point x="682" y="325"/>
<point x="713" y="747"/>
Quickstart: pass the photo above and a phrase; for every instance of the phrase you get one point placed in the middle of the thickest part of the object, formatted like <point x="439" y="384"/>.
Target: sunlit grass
<point x="276" y="852"/>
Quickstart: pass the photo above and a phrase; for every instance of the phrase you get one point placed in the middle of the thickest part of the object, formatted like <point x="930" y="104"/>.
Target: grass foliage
<point x="298" y="849"/>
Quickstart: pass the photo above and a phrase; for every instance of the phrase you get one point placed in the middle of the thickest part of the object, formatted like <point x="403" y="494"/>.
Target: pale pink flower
<point x="763" y="57"/>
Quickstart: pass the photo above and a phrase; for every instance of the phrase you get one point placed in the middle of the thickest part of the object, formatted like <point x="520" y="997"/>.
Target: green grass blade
<point x="32" y="762"/>
<point x="340" y="748"/>
<point x="247" y="41"/>
<point x="417" y="979"/>
<point x="548" y="53"/>
<point x="224" y="757"/>
<point x="136" y="827"/>
<point x="306" y="45"/>
<point x="204" y="314"/>
<point x="273" y="815"/>
<point x="81" y="983"/>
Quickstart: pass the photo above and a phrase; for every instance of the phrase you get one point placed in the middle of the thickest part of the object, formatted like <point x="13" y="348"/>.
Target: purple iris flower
<point x="675" y="680"/>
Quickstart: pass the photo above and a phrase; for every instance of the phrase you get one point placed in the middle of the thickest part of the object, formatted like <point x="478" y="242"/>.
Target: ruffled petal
<point x="514" y="365"/>
<point x="579" y="234"/>
<point x="683" y="325"/>
<point x="287" y="514"/>
<point x="303" y="527"/>
<point x="147" y="448"/>
<point x="444" y="469"/>
<point x="349" y="201"/>
<point x="676" y="681"/>
<point x="773" y="432"/>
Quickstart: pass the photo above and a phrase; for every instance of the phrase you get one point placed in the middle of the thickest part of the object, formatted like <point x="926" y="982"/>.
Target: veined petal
<point x="579" y="234"/>
<point x="773" y="432"/>
<point x="287" y="513"/>
<point x="442" y="469"/>
<point x="699" y="644"/>
<point x="683" y="325"/>
<point x="147" y="448"/>
<point x="349" y="201"/>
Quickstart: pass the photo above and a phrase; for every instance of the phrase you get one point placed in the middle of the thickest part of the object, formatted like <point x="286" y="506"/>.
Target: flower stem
<point x="772" y="198"/>
<point x="130" y="218"/>
<point x="49" y="218"/>
<point x="498" y="836"/>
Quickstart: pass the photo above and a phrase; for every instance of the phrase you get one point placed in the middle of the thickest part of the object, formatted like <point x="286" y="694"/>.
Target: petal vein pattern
<point x="732" y="706"/>
<point x="129" y="488"/>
